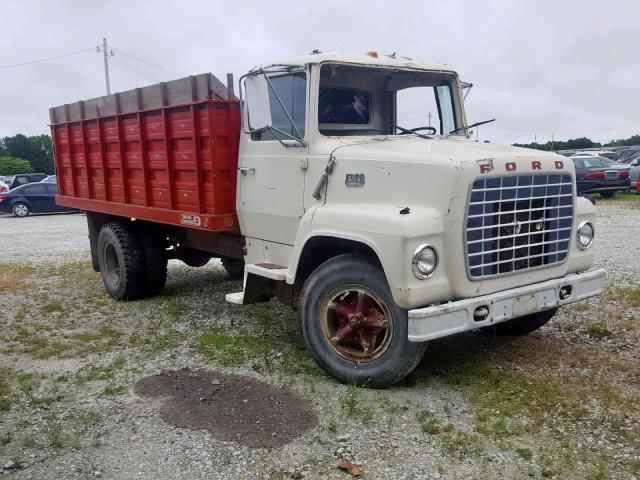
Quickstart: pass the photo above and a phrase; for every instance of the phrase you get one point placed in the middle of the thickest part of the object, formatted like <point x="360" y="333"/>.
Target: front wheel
<point x="20" y="210"/>
<point x="352" y="327"/>
<point x="522" y="325"/>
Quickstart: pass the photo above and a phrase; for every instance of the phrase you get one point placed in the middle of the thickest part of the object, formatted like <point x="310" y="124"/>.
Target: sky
<point x="541" y="68"/>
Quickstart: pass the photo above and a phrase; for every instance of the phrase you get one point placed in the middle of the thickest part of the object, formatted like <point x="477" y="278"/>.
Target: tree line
<point x="24" y="154"/>
<point x="578" y="143"/>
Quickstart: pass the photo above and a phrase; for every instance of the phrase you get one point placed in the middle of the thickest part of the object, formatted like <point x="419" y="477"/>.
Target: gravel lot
<point x="563" y="402"/>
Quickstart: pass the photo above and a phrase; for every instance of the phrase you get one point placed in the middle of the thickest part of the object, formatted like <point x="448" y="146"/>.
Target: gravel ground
<point x="563" y="402"/>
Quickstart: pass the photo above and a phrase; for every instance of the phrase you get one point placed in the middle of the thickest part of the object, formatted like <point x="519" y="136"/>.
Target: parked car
<point x="24" y="178"/>
<point x="597" y="153"/>
<point x="634" y="173"/>
<point x="31" y="198"/>
<point x="49" y="179"/>
<point x="594" y="176"/>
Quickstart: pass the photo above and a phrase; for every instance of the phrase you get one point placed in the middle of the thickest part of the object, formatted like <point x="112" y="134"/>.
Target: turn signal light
<point x="2" y="197"/>
<point x="624" y="174"/>
<point x="595" y="176"/>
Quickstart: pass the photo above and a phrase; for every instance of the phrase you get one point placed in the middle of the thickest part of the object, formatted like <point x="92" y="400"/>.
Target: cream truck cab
<point x="366" y="205"/>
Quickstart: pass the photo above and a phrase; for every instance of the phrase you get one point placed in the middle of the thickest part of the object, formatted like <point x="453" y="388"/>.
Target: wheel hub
<point x="357" y="324"/>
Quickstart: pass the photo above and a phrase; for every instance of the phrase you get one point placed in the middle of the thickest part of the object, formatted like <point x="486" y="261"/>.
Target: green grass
<point x="5" y="404"/>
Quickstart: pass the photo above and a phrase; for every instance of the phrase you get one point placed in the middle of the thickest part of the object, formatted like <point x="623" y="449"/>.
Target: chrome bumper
<point x="455" y="317"/>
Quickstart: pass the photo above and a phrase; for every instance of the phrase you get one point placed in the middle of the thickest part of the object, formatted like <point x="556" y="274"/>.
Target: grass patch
<point x="112" y="391"/>
<point x="430" y="424"/>
<point x="6" y="439"/>
<point x="599" y="329"/>
<point x="52" y="307"/>
<point x="524" y="453"/>
<point x="627" y="295"/>
<point x="5" y="404"/>
<point x="352" y="404"/>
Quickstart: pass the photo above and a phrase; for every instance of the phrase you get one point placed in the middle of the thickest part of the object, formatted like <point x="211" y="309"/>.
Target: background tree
<point x="37" y="149"/>
<point x="13" y="165"/>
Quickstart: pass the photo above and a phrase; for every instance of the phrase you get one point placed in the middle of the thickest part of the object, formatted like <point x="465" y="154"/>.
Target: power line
<point x="134" y="70"/>
<point x="148" y="63"/>
<point x="2" y="67"/>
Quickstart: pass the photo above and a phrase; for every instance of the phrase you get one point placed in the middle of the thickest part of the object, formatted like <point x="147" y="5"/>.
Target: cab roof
<point x="362" y="59"/>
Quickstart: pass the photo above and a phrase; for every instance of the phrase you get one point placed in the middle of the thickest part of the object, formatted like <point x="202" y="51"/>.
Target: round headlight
<point x="425" y="261"/>
<point x="585" y="235"/>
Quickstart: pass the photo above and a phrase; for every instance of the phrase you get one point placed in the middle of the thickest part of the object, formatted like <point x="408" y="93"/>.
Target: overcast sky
<point x="569" y="67"/>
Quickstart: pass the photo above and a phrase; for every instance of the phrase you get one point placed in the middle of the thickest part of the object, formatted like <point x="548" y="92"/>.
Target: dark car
<point x="24" y="178"/>
<point x="31" y="198"/>
<point x="595" y="176"/>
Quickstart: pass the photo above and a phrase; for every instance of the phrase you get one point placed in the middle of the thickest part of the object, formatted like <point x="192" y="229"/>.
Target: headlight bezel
<point x="581" y="245"/>
<point x="415" y="260"/>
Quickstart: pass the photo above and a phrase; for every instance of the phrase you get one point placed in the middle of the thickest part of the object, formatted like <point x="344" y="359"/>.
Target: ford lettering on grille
<point x="517" y="223"/>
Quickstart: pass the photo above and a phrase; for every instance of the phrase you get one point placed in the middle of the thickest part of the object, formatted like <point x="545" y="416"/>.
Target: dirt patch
<point x="232" y="408"/>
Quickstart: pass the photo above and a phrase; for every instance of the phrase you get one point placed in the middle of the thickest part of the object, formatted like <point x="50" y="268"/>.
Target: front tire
<point x="21" y="210"/>
<point x="121" y="261"/>
<point x="522" y="325"/>
<point x="352" y="327"/>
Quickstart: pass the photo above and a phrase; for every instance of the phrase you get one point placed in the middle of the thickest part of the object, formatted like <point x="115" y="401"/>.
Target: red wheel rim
<point x="356" y="323"/>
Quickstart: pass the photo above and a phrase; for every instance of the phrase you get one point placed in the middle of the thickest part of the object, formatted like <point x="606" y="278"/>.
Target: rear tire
<point x="234" y="267"/>
<point x="522" y="325"/>
<point x="155" y="260"/>
<point x="21" y="210"/>
<point x="336" y="287"/>
<point x="121" y="262"/>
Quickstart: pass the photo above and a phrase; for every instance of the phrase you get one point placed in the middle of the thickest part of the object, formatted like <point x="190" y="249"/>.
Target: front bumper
<point x="455" y="317"/>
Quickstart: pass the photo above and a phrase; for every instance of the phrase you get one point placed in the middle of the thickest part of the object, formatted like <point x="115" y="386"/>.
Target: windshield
<point x="356" y="100"/>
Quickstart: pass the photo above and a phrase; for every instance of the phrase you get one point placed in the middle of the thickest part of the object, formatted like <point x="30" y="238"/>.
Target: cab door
<point x="272" y="166"/>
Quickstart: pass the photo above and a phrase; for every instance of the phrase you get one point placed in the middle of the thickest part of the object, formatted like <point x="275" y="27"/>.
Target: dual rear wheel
<point x="135" y="266"/>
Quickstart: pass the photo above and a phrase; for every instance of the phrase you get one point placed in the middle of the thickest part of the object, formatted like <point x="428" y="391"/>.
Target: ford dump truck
<point x="348" y="187"/>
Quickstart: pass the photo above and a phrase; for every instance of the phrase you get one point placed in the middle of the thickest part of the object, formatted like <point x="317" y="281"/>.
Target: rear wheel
<point x="352" y="327"/>
<point x="155" y="262"/>
<point x="20" y="210"/>
<point x="121" y="262"/>
<point x="522" y="325"/>
<point x="234" y="267"/>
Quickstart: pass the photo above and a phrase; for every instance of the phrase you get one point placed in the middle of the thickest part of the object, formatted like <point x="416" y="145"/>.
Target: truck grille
<point x="517" y="223"/>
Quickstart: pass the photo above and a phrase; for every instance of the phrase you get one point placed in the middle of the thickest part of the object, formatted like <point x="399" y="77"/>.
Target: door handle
<point x="245" y="170"/>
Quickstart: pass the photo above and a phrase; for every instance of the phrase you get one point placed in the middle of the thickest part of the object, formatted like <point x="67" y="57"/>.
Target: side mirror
<point x="257" y="100"/>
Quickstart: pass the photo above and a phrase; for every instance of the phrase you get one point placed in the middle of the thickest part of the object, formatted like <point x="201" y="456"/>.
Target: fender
<point x="392" y="236"/>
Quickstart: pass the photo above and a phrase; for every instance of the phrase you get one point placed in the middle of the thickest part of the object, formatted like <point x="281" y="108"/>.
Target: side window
<point x="292" y="91"/>
<point x="22" y="180"/>
<point x="36" y="189"/>
<point x="445" y="106"/>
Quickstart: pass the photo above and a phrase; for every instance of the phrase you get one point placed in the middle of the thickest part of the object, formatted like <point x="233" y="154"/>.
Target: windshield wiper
<point x="412" y="131"/>
<point x="471" y="126"/>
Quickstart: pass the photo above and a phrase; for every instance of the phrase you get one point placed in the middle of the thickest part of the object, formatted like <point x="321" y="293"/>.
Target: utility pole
<point x="105" y="52"/>
<point x="429" y="117"/>
<point x="535" y="138"/>
<point x="553" y="134"/>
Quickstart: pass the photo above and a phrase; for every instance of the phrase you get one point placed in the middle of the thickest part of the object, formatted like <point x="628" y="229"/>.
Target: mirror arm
<point x="292" y="137"/>
<point x="273" y="90"/>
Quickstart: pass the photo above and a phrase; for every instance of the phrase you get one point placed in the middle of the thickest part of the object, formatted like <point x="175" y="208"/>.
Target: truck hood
<point x="435" y="150"/>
